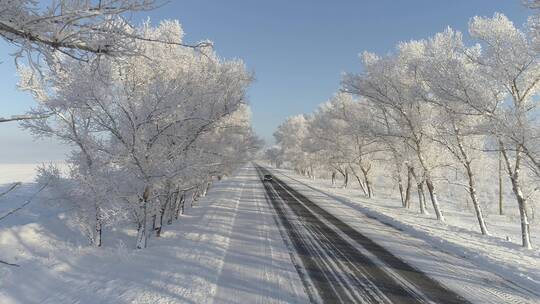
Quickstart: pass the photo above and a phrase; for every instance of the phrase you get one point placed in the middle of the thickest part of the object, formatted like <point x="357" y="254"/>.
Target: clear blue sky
<point x="297" y="50"/>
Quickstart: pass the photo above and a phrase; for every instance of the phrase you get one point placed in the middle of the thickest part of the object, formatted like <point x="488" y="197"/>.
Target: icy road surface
<point x="352" y="258"/>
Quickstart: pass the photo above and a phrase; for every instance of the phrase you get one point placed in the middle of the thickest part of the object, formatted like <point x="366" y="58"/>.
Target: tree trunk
<point x="524" y="218"/>
<point x="333" y="178"/>
<point x="182" y="203"/>
<point x="360" y="182"/>
<point x="208" y="185"/>
<point x="159" y="225"/>
<point x="98" y="232"/>
<point x="422" y="198"/>
<point x="205" y="186"/>
<point x="141" y="236"/>
<point x="172" y="207"/>
<point x="401" y="197"/>
<point x="466" y="161"/>
<point x="501" y="211"/>
<point x="369" y="186"/>
<point x="424" y="201"/>
<point x="420" y="190"/>
<point x="407" y="202"/>
<point x="434" y="200"/>
<point x="180" y="198"/>
<point x="474" y="199"/>
<point x="154" y="224"/>
<point x="141" y="223"/>
<point x="141" y="229"/>
<point x="194" y="196"/>
<point x="430" y="186"/>
<point x="518" y="192"/>
<point x="400" y="187"/>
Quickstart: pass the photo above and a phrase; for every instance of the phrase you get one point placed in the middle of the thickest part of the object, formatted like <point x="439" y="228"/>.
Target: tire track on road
<point x="352" y="277"/>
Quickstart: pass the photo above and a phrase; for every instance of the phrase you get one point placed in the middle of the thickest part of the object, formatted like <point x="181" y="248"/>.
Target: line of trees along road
<point x="433" y="108"/>
<point x="153" y="121"/>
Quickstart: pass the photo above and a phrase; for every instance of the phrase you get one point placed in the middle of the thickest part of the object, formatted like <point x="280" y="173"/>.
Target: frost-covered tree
<point x="511" y="61"/>
<point x="533" y="21"/>
<point x="391" y="85"/>
<point x="453" y="82"/>
<point x="162" y="124"/>
<point x="398" y="154"/>
<point x="290" y="135"/>
<point x="73" y="27"/>
<point x="433" y="111"/>
<point x="42" y="30"/>
<point x="339" y="131"/>
<point x="274" y="156"/>
<point x="326" y="139"/>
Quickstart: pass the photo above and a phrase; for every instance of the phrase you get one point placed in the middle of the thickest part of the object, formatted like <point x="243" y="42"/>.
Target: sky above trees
<point x="298" y="51"/>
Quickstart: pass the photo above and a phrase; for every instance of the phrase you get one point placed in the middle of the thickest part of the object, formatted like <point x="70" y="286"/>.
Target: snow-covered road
<point x="421" y="265"/>
<point x="257" y="266"/>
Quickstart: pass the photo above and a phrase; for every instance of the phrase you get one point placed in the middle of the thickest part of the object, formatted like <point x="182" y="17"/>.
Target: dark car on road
<point x="267" y="178"/>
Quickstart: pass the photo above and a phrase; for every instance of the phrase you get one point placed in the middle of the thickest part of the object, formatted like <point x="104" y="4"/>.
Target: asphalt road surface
<point x="338" y="264"/>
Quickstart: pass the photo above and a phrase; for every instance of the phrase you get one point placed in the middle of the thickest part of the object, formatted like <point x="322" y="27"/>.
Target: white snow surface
<point x="10" y="173"/>
<point x="483" y="269"/>
<point x="226" y="249"/>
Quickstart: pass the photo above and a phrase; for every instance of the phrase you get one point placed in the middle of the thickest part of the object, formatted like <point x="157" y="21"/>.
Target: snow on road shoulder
<point x="183" y="266"/>
<point x="480" y="269"/>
